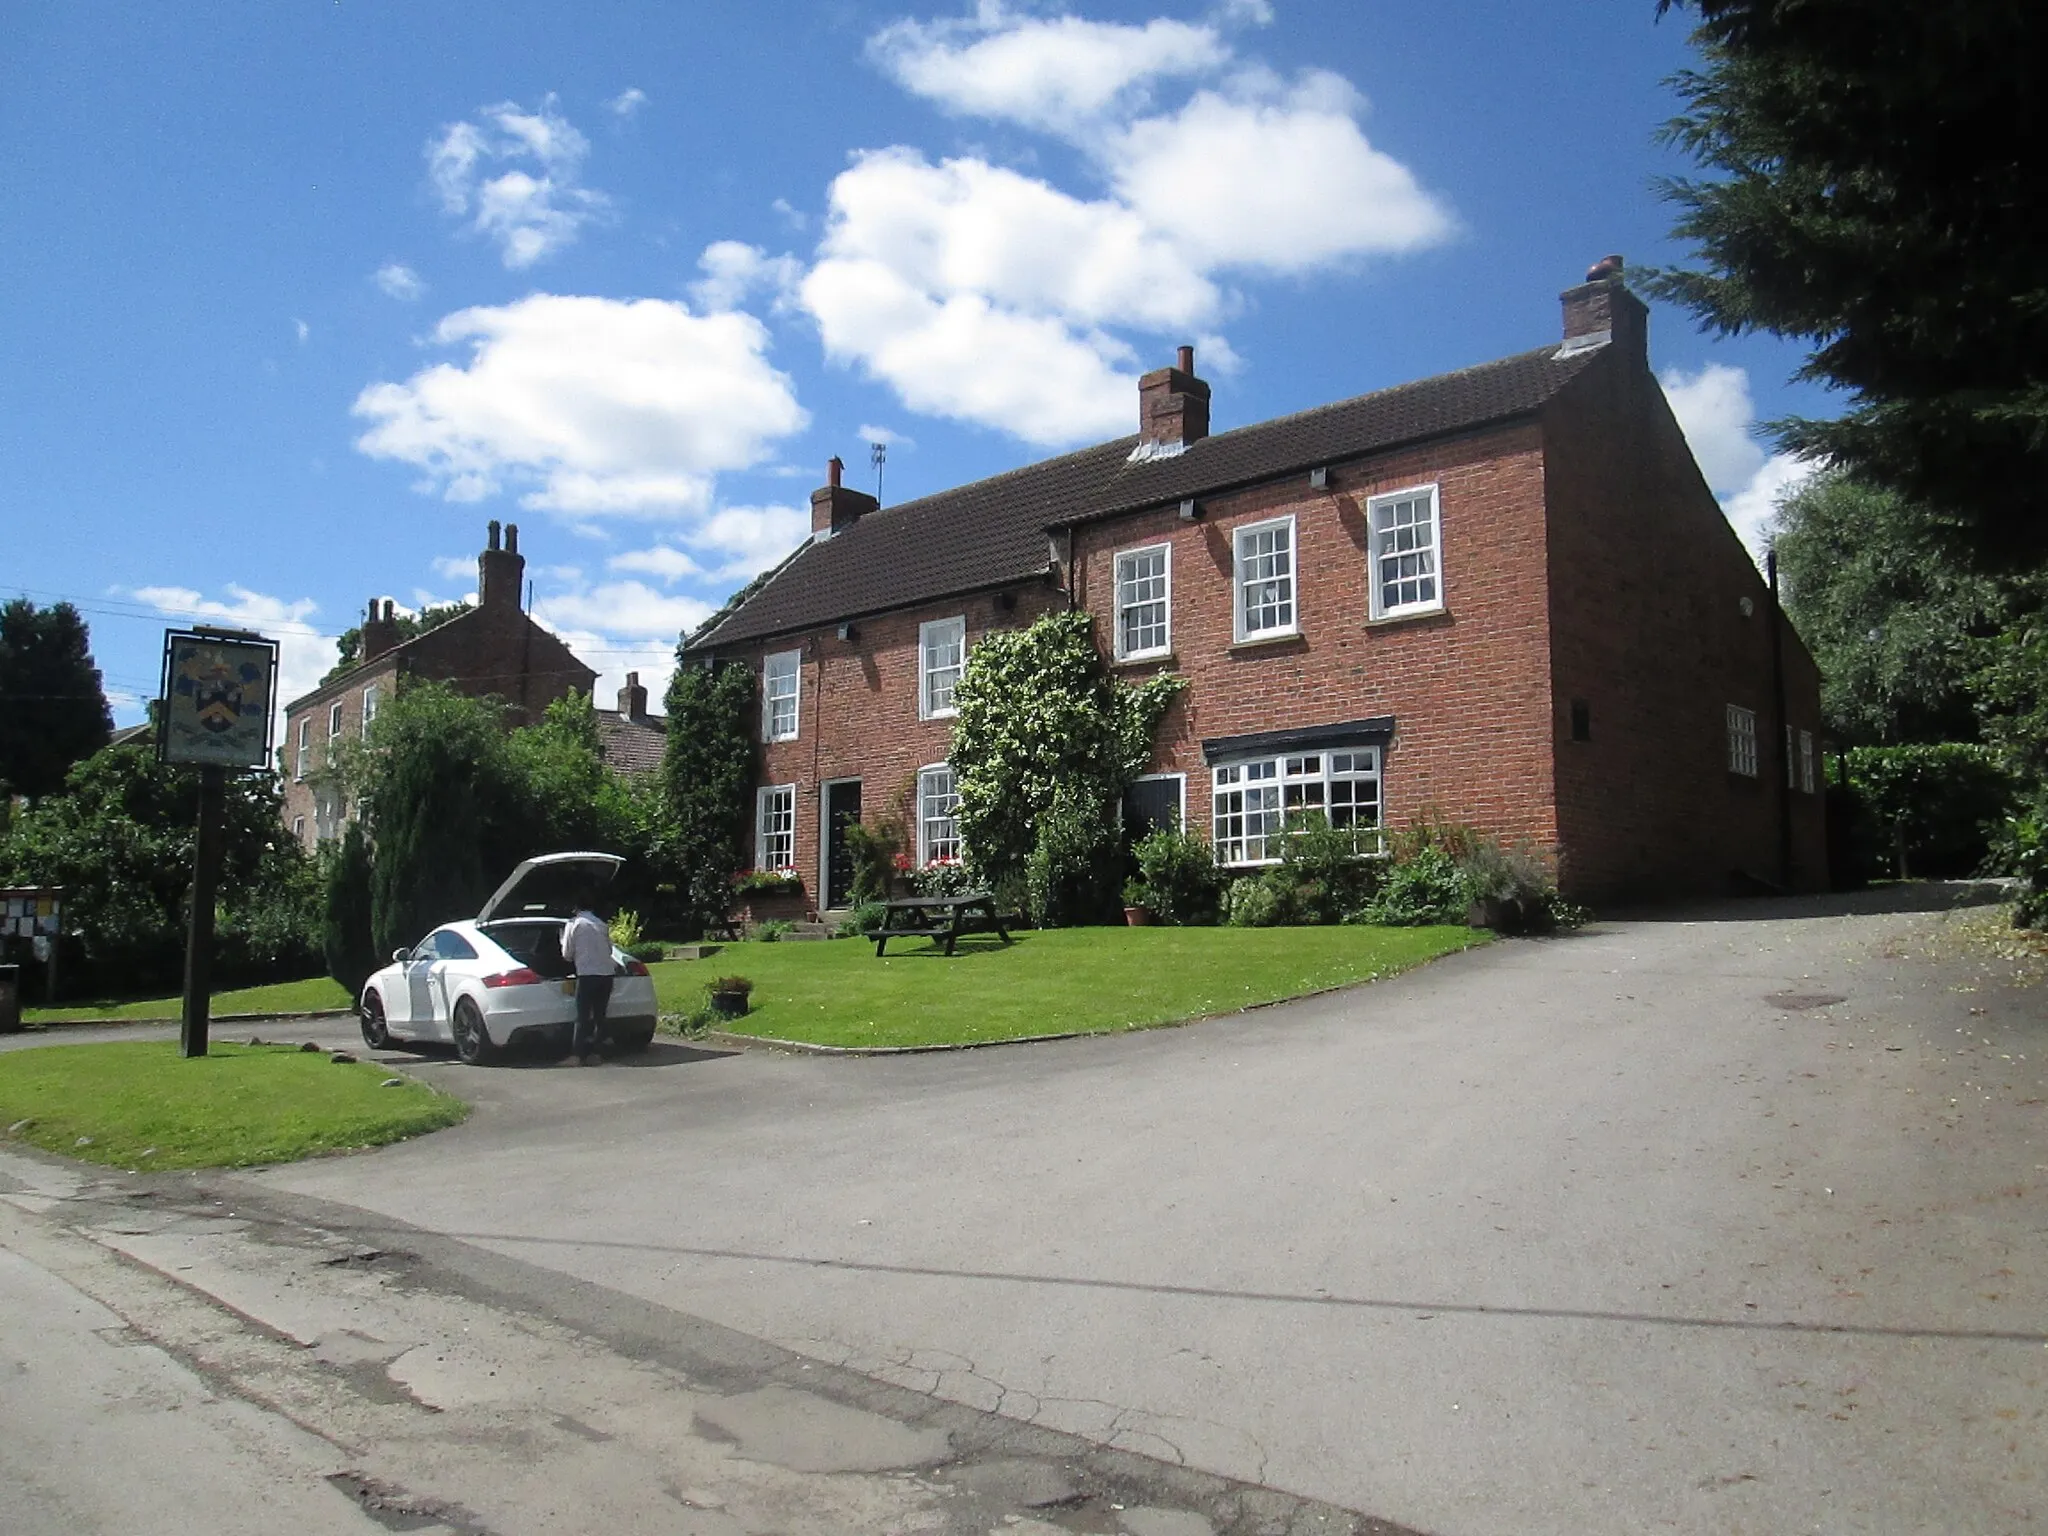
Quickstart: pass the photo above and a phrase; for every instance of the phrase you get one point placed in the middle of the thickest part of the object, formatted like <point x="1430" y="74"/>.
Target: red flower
<point x="902" y="863"/>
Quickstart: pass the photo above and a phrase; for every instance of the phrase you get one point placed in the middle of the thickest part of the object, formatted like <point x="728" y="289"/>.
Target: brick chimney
<point x="380" y="628"/>
<point x="836" y="507"/>
<point x="1173" y="409"/>
<point x="501" y="573"/>
<point x="1603" y="310"/>
<point x="632" y="699"/>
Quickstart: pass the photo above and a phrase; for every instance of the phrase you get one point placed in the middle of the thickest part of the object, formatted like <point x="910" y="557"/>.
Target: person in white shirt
<point x="587" y="946"/>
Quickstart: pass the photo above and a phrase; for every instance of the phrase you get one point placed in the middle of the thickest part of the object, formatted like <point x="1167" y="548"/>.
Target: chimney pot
<point x="500" y="573"/>
<point x="835" y="471"/>
<point x="1184" y="360"/>
<point x="494" y="534"/>
<point x="511" y="538"/>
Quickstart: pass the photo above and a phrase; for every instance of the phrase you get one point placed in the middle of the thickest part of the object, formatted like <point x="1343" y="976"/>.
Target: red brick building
<point x="1502" y="595"/>
<point x="493" y="650"/>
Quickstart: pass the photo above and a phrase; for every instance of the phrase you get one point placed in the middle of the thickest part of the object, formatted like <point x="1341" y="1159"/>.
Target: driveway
<point x="1725" y="1225"/>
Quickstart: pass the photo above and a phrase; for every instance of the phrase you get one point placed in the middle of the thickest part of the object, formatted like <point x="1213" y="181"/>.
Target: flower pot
<point x="1138" y="917"/>
<point x="729" y="1005"/>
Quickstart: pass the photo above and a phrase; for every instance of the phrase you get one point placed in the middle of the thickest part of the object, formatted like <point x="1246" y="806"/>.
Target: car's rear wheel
<point x="376" y="1034"/>
<point x="472" y="1040"/>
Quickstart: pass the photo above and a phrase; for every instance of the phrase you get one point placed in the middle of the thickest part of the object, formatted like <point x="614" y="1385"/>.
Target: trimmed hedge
<point x="1927" y="811"/>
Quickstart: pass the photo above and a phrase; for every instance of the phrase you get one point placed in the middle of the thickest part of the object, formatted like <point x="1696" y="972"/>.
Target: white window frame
<point x="767" y="855"/>
<point x="1164" y="602"/>
<point x="299" y="829"/>
<point x="370" y="699"/>
<point x="1742" y="745"/>
<point x="1284" y="784"/>
<point x="928" y="676"/>
<point x="926" y="843"/>
<point x="305" y="749"/>
<point x="334" y="720"/>
<point x="1376" y="581"/>
<point x="1806" y="762"/>
<point x="1239" y="581"/>
<point x="772" y="700"/>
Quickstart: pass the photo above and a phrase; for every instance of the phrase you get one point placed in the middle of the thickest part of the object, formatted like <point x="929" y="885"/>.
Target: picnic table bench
<point x="947" y="919"/>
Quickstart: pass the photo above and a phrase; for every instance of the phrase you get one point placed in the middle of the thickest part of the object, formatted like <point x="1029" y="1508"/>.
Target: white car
<point x="500" y="980"/>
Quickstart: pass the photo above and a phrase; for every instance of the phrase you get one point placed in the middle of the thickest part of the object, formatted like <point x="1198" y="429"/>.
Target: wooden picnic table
<point x="947" y="919"/>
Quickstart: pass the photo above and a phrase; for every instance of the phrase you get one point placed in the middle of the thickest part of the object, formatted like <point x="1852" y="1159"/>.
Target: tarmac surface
<point x="1729" y="1224"/>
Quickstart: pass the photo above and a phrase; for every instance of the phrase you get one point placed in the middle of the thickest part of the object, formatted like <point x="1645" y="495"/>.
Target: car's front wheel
<point x="376" y="1034"/>
<point x="472" y="1040"/>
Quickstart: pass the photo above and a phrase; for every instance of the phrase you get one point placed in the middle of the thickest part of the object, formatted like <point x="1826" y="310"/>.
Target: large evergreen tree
<point x="52" y="712"/>
<point x="707" y="780"/>
<point x="1878" y="180"/>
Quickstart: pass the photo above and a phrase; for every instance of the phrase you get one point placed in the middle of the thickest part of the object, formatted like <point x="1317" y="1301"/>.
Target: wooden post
<point x="206" y="854"/>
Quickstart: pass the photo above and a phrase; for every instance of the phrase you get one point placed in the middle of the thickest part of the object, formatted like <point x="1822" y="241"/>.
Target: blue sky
<point x="302" y="292"/>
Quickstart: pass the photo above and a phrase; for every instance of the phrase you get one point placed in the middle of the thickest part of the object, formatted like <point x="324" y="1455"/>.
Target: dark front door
<point x="842" y="807"/>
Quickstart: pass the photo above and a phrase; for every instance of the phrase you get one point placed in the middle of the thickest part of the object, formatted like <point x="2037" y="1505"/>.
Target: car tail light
<point x="525" y="976"/>
<point x="635" y="967"/>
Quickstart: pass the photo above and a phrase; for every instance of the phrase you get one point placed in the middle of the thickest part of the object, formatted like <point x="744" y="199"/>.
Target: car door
<point x="445" y="977"/>
<point x="412" y="1003"/>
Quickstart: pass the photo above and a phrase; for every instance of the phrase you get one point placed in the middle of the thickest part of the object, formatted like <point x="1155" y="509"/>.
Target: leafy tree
<point x="447" y="816"/>
<point x="52" y="713"/>
<point x="349" y="645"/>
<point x="574" y="801"/>
<point x="2011" y="684"/>
<point x="1041" y="720"/>
<point x="707" y="781"/>
<point x="1893" y="621"/>
<point x="119" y="837"/>
<point x="1879" y="175"/>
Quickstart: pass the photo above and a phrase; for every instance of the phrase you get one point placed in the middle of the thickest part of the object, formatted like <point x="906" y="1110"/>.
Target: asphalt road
<point x="1734" y="1225"/>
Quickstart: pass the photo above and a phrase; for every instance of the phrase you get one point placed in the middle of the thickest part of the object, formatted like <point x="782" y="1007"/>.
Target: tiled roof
<point x="993" y="531"/>
<point x="631" y="745"/>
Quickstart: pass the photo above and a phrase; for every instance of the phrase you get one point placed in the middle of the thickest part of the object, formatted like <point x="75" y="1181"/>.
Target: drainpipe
<point x="1784" y="725"/>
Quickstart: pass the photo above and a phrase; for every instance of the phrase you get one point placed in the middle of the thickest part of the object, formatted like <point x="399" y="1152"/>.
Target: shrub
<point x="873" y="851"/>
<point x="775" y="932"/>
<point x="647" y="953"/>
<point x="692" y="1024"/>
<point x="1929" y="811"/>
<point x="707" y="782"/>
<point x="730" y="986"/>
<point x="1427" y="886"/>
<point x="1254" y="902"/>
<point x="943" y="877"/>
<point x="1071" y="876"/>
<point x="2021" y="850"/>
<point x="863" y="919"/>
<point x="625" y="930"/>
<point x="1177" y="877"/>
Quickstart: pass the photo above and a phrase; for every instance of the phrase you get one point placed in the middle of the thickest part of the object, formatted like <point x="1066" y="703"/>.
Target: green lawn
<point x="315" y="996"/>
<point x="1062" y="980"/>
<point x="138" y="1104"/>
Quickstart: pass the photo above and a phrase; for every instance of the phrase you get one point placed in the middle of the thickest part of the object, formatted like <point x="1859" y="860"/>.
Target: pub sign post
<point x="214" y="712"/>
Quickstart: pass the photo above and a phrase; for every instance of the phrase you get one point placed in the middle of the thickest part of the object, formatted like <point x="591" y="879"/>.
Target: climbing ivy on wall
<point x="1041" y="719"/>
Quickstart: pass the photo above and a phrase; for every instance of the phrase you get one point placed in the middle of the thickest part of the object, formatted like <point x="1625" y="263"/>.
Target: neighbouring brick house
<point x="495" y="649"/>
<point x="1504" y="595"/>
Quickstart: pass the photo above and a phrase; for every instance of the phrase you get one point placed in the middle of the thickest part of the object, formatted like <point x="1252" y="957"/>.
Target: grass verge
<point x="317" y="995"/>
<point x="140" y="1105"/>
<point x="1087" y="980"/>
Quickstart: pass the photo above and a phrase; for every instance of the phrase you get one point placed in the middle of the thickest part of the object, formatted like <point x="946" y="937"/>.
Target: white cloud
<point x="1284" y="182"/>
<point x="794" y="217"/>
<point x="984" y="294"/>
<point x="669" y="563"/>
<point x="591" y="405"/>
<point x="399" y="281"/>
<point x="751" y="538"/>
<point x="885" y="436"/>
<point x="1057" y="73"/>
<point x="628" y="101"/>
<point x="1714" y="409"/>
<point x="735" y="271"/>
<point x="513" y="175"/>
<point x="1717" y="415"/>
<point x="304" y="654"/>
<point x="624" y="608"/>
<point x="304" y="330"/>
